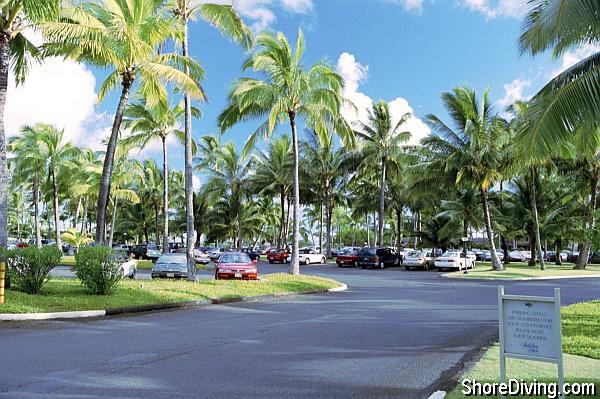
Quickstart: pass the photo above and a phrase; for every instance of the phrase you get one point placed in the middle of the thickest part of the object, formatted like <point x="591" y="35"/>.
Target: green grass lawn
<point x="522" y="270"/>
<point x="581" y="345"/>
<point x="67" y="261"/>
<point x="68" y="294"/>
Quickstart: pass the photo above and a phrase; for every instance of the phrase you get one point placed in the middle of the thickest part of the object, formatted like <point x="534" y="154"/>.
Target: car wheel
<point x="339" y="264"/>
<point x="381" y="265"/>
<point x="323" y="261"/>
<point x="133" y="273"/>
<point x="271" y="262"/>
<point x="407" y="268"/>
<point x="307" y="261"/>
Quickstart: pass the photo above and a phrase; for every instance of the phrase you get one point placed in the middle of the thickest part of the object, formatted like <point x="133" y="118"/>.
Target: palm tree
<point x="16" y="51"/>
<point x="230" y="180"/>
<point x="381" y="140"/>
<point x="469" y="150"/>
<point x="570" y="99"/>
<point x="155" y="123"/>
<point x="29" y="166"/>
<point x="127" y="36"/>
<point x="273" y="174"/>
<point x="58" y="155"/>
<point x="288" y="92"/>
<point x="226" y="20"/>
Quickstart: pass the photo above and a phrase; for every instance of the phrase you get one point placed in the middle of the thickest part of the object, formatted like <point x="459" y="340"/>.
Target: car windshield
<point x="172" y="259"/>
<point x="234" y="258"/>
<point x="451" y="253"/>
<point x="368" y="251"/>
<point x="152" y="247"/>
<point x="417" y="254"/>
<point x="278" y="251"/>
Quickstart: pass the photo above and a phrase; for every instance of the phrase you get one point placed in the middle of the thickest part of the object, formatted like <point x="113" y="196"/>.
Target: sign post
<point x="530" y="329"/>
<point x="2" y="278"/>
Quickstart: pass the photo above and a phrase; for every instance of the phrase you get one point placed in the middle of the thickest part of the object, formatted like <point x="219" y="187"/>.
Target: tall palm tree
<point x="58" y="155"/>
<point x="226" y="20"/>
<point x="470" y="149"/>
<point x="570" y="99"/>
<point x="230" y="180"/>
<point x="16" y="50"/>
<point x="381" y="140"/>
<point x="273" y="174"/>
<point x="126" y="36"/>
<point x="29" y="166"/>
<point x="155" y="123"/>
<point x="289" y="92"/>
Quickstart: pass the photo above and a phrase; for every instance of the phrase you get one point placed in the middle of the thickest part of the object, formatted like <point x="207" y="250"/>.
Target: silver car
<point x="170" y="266"/>
<point x="419" y="260"/>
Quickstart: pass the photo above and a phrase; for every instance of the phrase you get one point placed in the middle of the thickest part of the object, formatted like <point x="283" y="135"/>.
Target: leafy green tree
<point x="156" y="123"/>
<point x="381" y="140"/>
<point x="273" y="175"/>
<point x="289" y="92"/>
<point x="470" y="149"/>
<point x="125" y="36"/>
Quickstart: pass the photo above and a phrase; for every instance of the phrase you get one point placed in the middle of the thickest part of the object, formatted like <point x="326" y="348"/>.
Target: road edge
<point x="452" y="276"/>
<point x="156" y="307"/>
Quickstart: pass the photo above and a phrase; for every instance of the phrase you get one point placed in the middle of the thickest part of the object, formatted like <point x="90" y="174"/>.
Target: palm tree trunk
<point x="536" y="221"/>
<point x="294" y="264"/>
<point x="4" y="184"/>
<point x="36" y="210"/>
<point x="84" y="217"/>
<point x="56" y="218"/>
<point x="286" y="232"/>
<point x="239" y="225"/>
<point x="381" y="202"/>
<point x="328" y="228"/>
<point x="558" y="246"/>
<point x="281" y="229"/>
<point x="591" y="219"/>
<point x="165" y="197"/>
<point x="488" y="228"/>
<point x="112" y="222"/>
<point x="77" y="212"/>
<point x="157" y="223"/>
<point x="109" y="158"/>
<point x="368" y="229"/>
<point x="321" y="225"/>
<point x="189" y="177"/>
<point x="399" y="231"/>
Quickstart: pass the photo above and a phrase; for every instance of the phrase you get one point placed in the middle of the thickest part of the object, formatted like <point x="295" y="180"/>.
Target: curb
<point x="438" y="395"/>
<point x="156" y="307"/>
<point x="451" y="277"/>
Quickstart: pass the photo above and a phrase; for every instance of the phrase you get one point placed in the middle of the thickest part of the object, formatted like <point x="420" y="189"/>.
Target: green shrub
<point x="97" y="269"/>
<point x="29" y="267"/>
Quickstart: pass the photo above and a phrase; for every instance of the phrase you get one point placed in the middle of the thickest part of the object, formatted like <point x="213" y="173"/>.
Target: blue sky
<point x="404" y="51"/>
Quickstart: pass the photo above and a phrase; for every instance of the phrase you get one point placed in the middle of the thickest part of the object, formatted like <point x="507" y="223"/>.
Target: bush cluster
<point x="97" y="269"/>
<point x="28" y="267"/>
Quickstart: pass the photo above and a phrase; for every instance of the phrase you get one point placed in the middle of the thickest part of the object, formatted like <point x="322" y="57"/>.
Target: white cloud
<point x="261" y="14"/>
<point x="571" y="58"/>
<point x="354" y="73"/>
<point x="408" y="5"/>
<point x="58" y="92"/>
<point x="513" y="91"/>
<point x="497" y="8"/>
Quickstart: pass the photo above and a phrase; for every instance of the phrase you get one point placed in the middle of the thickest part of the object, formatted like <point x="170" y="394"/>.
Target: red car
<point x="236" y="265"/>
<point x="277" y="255"/>
<point x="347" y="258"/>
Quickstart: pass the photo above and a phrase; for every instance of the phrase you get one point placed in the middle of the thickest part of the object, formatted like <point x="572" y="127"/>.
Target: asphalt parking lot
<point x="393" y="334"/>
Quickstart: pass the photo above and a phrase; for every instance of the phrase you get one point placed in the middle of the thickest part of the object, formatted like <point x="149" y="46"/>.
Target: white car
<point x="519" y="256"/>
<point x="308" y="256"/>
<point x="128" y="266"/>
<point x="454" y="260"/>
<point x="201" y="257"/>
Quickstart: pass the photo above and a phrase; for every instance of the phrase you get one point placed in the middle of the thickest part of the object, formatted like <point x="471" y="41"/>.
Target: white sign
<point x="530" y="328"/>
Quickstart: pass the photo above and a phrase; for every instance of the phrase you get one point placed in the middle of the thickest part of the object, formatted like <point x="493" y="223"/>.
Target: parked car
<point x="349" y="257"/>
<point x="336" y="251"/>
<point x="170" y="266"/>
<point x="201" y="257"/>
<point x="487" y="255"/>
<point x="594" y="258"/>
<point x="517" y="256"/>
<point x="480" y="254"/>
<point x="236" y="265"/>
<point x="574" y="257"/>
<point x="551" y="256"/>
<point x="455" y="260"/>
<point x="419" y="260"/>
<point x="277" y="255"/>
<point x="254" y="255"/>
<point x="376" y="257"/>
<point x="128" y="266"/>
<point x="176" y="247"/>
<point x="308" y="256"/>
<point x="215" y="253"/>
<point x="146" y="251"/>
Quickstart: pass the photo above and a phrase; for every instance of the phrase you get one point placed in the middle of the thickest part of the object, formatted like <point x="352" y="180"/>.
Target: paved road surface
<point x="393" y="334"/>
